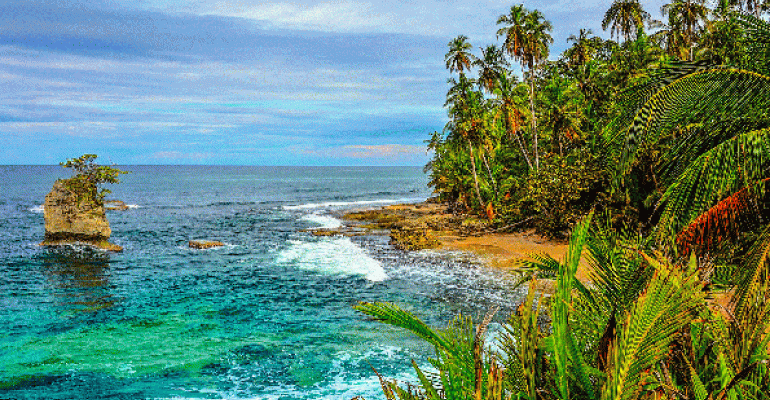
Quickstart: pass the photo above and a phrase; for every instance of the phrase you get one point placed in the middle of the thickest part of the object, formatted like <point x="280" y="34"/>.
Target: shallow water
<point x="268" y="316"/>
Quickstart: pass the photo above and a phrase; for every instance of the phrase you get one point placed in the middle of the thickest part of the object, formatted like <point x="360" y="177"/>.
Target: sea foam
<point x="325" y="221"/>
<point x="37" y="209"/>
<point x="347" y="204"/>
<point x="333" y="256"/>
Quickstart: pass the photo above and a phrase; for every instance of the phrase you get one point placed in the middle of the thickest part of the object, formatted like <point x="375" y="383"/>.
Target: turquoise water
<point x="268" y="316"/>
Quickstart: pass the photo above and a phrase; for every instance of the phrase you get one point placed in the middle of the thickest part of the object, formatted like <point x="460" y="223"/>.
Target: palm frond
<point x="562" y="304"/>
<point x="757" y="41"/>
<point x="706" y="97"/>
<point x="666" y="306"/>
<point x="634" y="98"/>
<point x="392" y="314"/>
<point x="520" y="344"/>
<point x="752" y="278"/>
<point x="725" y="169"/>
<point x="724" y="220"/>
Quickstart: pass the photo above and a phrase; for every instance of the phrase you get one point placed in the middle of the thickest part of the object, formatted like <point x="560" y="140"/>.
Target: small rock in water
<point x="115" y="205"/>
<point x="204" y="244"/>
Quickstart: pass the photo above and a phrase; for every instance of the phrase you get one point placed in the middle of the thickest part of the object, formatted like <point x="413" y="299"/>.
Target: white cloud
<point x="344" y="16"/>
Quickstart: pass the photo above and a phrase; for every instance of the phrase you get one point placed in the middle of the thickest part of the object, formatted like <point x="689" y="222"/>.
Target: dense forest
<point x="652" y="152"/>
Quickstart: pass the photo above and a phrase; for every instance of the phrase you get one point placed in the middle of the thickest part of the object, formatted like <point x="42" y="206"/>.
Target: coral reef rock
<point x="73" y="220"/>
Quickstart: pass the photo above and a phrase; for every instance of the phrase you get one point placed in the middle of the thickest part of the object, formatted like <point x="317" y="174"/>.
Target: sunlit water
<point x="268" y="316"/>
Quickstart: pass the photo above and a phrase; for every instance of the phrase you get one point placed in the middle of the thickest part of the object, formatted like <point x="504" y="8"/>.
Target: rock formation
<point x="204" y="244"/>
<point x="70" y="219"/>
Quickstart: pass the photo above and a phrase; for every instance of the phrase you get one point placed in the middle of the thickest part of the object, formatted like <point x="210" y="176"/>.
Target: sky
<point x="240" y="82"/>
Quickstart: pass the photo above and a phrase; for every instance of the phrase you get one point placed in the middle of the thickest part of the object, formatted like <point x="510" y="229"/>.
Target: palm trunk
<point x="475" y="176"/>
<point x="534" y="118"/>
<point x="489" y="172"/>
<point x="518" y="139"/>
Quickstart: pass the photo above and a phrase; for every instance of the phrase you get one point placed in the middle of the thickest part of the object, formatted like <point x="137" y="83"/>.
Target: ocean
<point x="267" y="316"/>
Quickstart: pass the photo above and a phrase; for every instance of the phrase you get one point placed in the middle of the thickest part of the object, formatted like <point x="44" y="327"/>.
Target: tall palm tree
<point x="625" y="17"/>
<point x="459" y="57"/>
<point x="527" y="38"/>
<point x="536" y="51"/>
<point x="467" y="113"/>
<point x="491" y="65"/>
<point x="582" y="47"/>
<point x="511" y="96"/>
<point x="687" y="16"/>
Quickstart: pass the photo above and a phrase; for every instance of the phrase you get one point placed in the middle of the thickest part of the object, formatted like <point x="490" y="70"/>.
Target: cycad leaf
<point x="562" y="303"/>
<point x="725" y="169"/>
<point x="392" y="314"/>
<point x="752" y="279"/>
<point x="666" y="306"/>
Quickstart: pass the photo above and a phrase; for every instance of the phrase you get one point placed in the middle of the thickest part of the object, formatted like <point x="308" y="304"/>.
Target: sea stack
<point x="73" y="219"/>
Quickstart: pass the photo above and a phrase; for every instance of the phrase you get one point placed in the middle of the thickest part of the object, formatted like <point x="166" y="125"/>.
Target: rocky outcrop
<point x="70" y="219"/>
<point x="204" y="244"/>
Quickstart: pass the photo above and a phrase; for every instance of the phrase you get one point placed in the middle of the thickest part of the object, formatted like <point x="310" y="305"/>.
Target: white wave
<point x="37" y="209"/>
<point x="333" y="256"/>
<point x="325" y="221"/>
<point x="133" y="206"/>
<point x="345" y="204"/>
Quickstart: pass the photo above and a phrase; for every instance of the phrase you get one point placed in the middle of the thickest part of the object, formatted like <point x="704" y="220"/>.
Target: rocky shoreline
<point x="432" y="226"/>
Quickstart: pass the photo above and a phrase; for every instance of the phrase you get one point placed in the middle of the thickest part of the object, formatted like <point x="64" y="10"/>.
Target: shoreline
<point x="428" y="225"/>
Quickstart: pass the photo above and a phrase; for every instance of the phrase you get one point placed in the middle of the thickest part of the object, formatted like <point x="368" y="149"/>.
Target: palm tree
<point x="511" y="96"/>
<point x="686" y="16"/>
<point x="491" y="65"/>
<point x="468" y="117"/>
<point x="625" y="17"/>
<point x="752" y="6"/>
<point x="536" y="51"/>
<point x="582" y="48"/>
<point x="459" y="57"/>
<point x="527" y="38"/>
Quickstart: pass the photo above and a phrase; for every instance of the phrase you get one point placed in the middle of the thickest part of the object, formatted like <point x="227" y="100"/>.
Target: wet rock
<point x="72" y="219"/>
<point x="115" y="205"/>
<point x="204" y="244"/>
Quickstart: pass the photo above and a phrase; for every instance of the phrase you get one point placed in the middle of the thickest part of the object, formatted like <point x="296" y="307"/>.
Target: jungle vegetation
<point x="653" y="154"/>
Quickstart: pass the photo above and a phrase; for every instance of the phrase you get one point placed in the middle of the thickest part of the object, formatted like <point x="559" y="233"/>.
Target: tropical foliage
<point x="666" y="137"/>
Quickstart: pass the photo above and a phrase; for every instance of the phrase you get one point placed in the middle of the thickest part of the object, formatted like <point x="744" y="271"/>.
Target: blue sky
<point x="245" y="82"/>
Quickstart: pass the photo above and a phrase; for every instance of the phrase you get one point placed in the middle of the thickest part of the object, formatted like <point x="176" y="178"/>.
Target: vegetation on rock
<point x="89" y="176"/>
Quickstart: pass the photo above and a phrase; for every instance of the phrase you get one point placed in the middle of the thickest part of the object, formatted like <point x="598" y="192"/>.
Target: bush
<point x="85" y="184"/>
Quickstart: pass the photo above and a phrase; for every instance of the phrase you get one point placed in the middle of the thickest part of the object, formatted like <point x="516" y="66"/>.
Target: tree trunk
<point x="534" y="118"/>
<point x="475" y="176"/>
<point x="518" y="139"/>
<point x="489" y="172"/>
